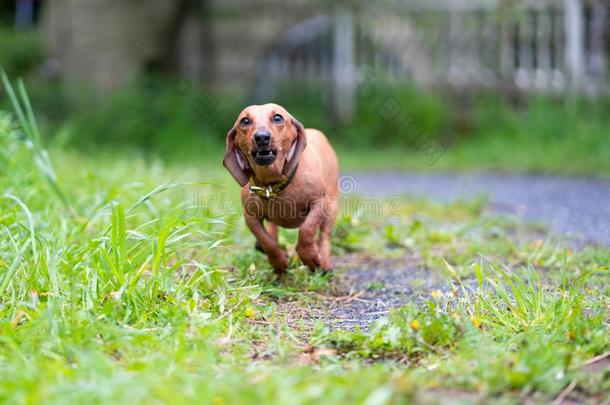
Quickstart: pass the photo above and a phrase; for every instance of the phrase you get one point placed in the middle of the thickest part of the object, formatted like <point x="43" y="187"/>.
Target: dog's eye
<point x="278" y="119"/>
<point x="244" y="122"/>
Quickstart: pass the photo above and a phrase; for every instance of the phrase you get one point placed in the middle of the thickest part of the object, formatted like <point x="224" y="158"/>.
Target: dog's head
<point x="265" y="142"/>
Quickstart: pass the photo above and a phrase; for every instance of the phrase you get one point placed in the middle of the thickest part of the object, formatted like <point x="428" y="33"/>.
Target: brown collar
<point x="272" y="190"/>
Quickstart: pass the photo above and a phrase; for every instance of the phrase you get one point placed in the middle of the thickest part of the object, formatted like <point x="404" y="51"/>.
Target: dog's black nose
<point x="262" y="138"/>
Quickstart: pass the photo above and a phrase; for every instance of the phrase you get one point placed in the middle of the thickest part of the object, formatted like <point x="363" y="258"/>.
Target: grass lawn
<point x="488" y="155"/>
<point x="130" y="281"/>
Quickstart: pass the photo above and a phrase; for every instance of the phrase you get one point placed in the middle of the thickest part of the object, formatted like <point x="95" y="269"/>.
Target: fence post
<point x="344" y="77"/>
<point x="599" y="21"/>
<point x="506" y="62"/>
<point x="574" y="47"/>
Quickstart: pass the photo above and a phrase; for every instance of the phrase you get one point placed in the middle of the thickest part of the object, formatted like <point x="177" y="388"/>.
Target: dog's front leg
<point x="307" y="248"/>
<point x="276" y="255"/>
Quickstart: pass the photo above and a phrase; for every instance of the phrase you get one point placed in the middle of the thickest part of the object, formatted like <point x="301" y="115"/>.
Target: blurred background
<point x="501" y="85"/>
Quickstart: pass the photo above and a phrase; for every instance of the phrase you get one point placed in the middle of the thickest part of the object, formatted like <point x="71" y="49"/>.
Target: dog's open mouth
<point x="264" y="157"/>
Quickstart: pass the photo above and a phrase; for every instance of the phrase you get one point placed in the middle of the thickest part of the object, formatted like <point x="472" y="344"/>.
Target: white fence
<point x="534" y="45"/>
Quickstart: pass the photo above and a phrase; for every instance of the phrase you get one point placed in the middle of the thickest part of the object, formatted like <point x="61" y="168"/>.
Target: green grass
<point x="21" y="51"/>
<point x="174" y="120"/>
<point x="129" y="280"/>
<point x="171" y="119"/>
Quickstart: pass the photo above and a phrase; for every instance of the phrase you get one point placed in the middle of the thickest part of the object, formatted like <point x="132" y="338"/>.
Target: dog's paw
<point x="279" y="262"/>
<point x="326" y="265"/>
<point x="310" y="256"/>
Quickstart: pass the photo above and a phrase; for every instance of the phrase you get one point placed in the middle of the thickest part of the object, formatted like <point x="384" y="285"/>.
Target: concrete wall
<point x="244" y="31"/>
<point x="105" y="43"/>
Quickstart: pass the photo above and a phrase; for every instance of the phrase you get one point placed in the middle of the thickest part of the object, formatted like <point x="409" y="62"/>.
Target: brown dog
<point x="289" y="177"/>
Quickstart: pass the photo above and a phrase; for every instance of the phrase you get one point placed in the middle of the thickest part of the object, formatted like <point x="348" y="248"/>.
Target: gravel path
<point x="578" y="207"/>
<point x="368" y="287"/>
<point x="377" y="286"/>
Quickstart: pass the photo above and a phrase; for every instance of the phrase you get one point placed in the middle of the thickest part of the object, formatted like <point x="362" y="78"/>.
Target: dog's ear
<point x="294" y="154"/>
<point x="234" y="161"/>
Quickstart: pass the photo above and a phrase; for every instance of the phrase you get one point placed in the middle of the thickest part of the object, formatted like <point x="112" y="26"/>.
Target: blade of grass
<point x="28" y="123"/>
<point x="30" y="220"/>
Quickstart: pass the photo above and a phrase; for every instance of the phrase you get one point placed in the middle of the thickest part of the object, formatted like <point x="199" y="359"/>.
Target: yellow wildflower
<point x="249" y="312"/>
<point x="415" y="325"/>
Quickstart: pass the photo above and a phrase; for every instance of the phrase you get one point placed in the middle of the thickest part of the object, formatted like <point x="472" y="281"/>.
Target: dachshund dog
<point x="289" y="178"/>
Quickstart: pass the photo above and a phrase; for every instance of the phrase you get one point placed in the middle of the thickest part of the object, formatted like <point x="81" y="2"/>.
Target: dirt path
<point x="578" y="207"/>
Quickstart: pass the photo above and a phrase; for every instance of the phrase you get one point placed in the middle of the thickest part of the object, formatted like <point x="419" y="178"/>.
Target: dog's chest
<point x="283" y="211"/>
